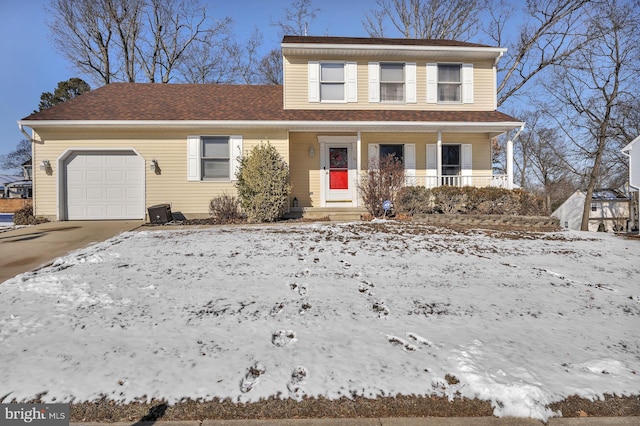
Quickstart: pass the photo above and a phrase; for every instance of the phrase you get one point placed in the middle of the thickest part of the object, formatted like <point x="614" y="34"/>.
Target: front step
<point x="328" y="213"/>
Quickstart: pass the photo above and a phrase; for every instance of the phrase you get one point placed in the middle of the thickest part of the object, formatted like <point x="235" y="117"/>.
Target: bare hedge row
<point x="412" y="200"/>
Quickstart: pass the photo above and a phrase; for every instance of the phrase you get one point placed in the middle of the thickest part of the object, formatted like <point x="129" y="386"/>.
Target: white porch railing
<point x="496" y="181"/>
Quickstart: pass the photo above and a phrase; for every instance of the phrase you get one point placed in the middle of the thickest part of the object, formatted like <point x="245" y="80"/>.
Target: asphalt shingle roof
<point x="211" y="102"/>
<point x="378" y="41"/>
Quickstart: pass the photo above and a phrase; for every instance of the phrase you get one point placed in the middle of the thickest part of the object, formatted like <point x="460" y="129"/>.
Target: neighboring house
<point x="633" y="152"/>
<point x="16" y="187"/>
<point x="113" y="152"/>
<point x="610" y="211"/>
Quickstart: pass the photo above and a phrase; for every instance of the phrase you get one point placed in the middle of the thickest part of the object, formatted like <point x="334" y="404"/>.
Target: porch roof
<point x="188" y="105"/>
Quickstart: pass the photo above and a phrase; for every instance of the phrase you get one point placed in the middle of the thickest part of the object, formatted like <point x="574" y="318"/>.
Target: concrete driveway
<point x="28" y="248"/>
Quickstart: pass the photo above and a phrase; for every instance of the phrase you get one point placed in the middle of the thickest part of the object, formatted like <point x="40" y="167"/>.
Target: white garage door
<point x="104" y="185"/>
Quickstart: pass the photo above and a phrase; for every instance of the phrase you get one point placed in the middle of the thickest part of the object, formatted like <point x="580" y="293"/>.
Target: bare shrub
<point x="25" y="216"/>
<point x="383" y="181"/>
<point x="226" y="209"/>
<point x="415" y="200"/>
<point x="450" y="199"/>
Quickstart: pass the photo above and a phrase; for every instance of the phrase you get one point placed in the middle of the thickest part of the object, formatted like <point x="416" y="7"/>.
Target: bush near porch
<point x="412" y="200"/>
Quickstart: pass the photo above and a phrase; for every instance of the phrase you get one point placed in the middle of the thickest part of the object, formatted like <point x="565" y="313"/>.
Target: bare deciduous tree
<point x="14" y="160"/>
<point x="270" y="68"/>
<point x="297" y="18"/>
<point x="425" y="19"/>
<point x="133" y="40"/>
<point x="551" y="33"/>
<point x="594" y="87"/>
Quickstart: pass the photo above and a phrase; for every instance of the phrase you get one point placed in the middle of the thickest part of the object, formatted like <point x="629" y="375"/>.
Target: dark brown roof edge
<point x="381" y="41"/>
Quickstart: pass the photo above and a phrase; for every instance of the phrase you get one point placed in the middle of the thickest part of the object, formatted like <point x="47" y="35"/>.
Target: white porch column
<point x="439" y="158"/>
<point x="509" y="164"/>
<point x="358" y="167"/>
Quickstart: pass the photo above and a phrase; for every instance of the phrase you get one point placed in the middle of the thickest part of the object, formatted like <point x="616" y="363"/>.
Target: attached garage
<point x="102" y="185"/>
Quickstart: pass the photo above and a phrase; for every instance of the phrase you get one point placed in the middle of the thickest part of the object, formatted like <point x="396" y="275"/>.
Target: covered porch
<point x="326" y="166"/>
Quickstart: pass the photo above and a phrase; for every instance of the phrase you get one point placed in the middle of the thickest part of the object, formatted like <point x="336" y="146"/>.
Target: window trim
<point x="226" y="159"/>
<point x="467" y="75"/>
<point x="459" y="83"/>
<point x="349" y="83"/>
<point x="195" y="160"/>
<point x="343" y="82"/>
<point x="404" y="83"/>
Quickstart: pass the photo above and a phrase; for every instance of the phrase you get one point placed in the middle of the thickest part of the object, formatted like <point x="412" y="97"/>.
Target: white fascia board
<point x="351" y="126"/>
<point x="380" y="49"/>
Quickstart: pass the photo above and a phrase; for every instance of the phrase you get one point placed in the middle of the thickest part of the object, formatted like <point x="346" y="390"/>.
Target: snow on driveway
<point x="369" y="309"/>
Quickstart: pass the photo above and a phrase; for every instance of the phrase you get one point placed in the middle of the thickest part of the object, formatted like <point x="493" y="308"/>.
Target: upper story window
<point x="392" y="82"/>
<point x="449" y="83"/>
<point x="213" y="158"/>
<point x="332" y="81"/>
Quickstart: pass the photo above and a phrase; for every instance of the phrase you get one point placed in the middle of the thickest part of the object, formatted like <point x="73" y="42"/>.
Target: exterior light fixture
<point x="153" y="166"/>
<point x="312" y="152"/>
<point x="45" y="165"/>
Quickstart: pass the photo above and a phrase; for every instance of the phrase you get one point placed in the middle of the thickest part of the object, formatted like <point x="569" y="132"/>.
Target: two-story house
<point x="113" y="152"/>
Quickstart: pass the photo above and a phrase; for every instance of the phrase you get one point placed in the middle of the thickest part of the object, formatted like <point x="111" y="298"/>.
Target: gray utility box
<point x="160" y="214"/>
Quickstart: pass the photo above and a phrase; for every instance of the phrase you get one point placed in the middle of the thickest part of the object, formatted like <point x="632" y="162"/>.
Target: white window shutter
<point x="410" y="163"/>
<point x="314" y="81"/>
<point x="193" y="158"/>
<point x="235" y="153"/>
<point x="351" y="72"/>
<point x="467" y="83"/>
<point x="432" y="83"/>
<point x="374" y="155"/>
<point x="410" y="76"/>
<point x="374" y="82"/>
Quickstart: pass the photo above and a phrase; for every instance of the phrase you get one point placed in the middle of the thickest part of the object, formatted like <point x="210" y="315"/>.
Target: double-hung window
<point x="449" y="83"/>
<point x="332" y="81"/>
<point x="392" y="82"/>
<point x="213" y="158"/>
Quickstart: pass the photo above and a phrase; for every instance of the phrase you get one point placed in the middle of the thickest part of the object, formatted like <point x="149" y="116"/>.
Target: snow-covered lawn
<point x="367" y="309"/>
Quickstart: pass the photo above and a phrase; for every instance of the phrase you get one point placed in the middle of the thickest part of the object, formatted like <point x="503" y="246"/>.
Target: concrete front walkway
<point x="25" y="249"/>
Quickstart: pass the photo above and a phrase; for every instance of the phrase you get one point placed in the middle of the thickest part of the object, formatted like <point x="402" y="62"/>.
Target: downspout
<point x="510" y="157"/>
<point x="29" y="138"/>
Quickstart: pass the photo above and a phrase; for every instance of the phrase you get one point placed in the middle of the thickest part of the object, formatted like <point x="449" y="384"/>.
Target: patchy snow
<point x="369" y="309"/>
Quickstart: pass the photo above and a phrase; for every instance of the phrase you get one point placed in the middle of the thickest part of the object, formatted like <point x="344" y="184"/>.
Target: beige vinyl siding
<point x="481" y="150"/>
<point x="305" y="170"/>
<point x="296" y="87"/>
<point x="168" y="147"/>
